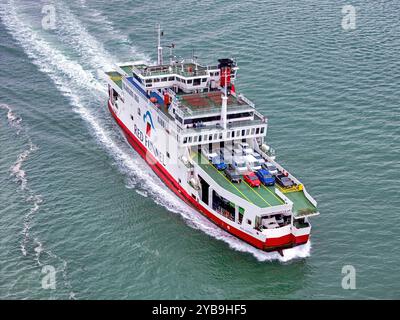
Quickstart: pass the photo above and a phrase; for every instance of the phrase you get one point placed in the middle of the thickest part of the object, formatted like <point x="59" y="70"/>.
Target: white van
<point x="258" y="157"/>
<point x="252" y="163"/>
<point x="247" y="151"/>
<point x="239" y="164"/>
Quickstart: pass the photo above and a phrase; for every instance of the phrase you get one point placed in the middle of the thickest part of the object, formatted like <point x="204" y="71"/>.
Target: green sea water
<point x="76" y="197"/>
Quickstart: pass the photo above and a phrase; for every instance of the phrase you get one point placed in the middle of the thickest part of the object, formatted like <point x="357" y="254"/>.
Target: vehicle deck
<point x="301" y="205"/>
<point x="262" y="197"/>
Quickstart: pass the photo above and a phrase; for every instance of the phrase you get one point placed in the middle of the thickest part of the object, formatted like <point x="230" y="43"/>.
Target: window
<point x="262" y="130"/>
<point x="257" y="130"/>
<point x="190" y="139"/>
<point x="169" y="157"/>
<point x="229" y="134"/>
<point x="171" y="79"/>
<point x="204" y="80"/>
<point x="233" y="134"/>
<point x="243" y="132"/>
<point x="196" y="82"/>
<point x="185" y="140"/>
<point x="247" y="132"/>
<point x="164" y="79"/>
<point x="220" y="135"/>
<point x="156" y="80"/>
<point x="131" y="117"/>
<point x="223" y="206"/>
<point x="252" y="130"/>
<point x="195" y="139"/>
<point x="161" y="122"/>
<point x="211" y="74"/>
<point x="149" y="80"/>
<point x="248" y="221"/>
<point x="139" y="112"/>
<point x="210" y="137"/>
<point x="215" y="136"/>
<point x="189" y="81"/>
<point x="241" y="213"/>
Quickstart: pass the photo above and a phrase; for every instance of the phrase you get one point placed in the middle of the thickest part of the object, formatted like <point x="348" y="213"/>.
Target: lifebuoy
<point x="153" y="99"/>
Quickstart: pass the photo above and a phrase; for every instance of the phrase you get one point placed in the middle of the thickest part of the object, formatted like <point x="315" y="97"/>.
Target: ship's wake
<point x="77" y="78"/>
<point x="31" y="245"/>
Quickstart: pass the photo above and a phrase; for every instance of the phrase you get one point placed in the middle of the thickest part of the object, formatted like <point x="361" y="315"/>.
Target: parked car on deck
<point x="232" y="175"/>
<point x="258" y="157"/>
<point x="239" y="165"/>
<point x="252" y="179"/>
<point x="271" y="168"/>
<point x="218" y="162"/>
<point x="284" y="181"/>
<point x="265" y="177"/>
<point x="252" y="163"/>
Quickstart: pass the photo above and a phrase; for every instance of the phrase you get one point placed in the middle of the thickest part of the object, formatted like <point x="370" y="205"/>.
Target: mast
<point x="159" y="48"/>
<point x="225" y="66"/>
<point x="224" y="107"/>
<point x="171" y="56"/>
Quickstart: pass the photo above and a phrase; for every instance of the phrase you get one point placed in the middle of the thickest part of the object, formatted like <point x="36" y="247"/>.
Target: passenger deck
<point x="116" y="77"/>
<point x="207" y="102"/>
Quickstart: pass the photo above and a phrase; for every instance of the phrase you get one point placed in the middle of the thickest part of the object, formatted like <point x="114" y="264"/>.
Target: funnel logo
<point x="149" y="122"/>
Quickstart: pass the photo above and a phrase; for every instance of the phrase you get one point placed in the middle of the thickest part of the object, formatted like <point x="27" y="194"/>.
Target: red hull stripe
<point x="272" y="243"/>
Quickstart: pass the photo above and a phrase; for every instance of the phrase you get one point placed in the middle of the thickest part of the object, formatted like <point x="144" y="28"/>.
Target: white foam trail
<point x="35" y="199"/>
<point x="107" y="24"/>
<point x="71" y="32"/>
<point x="16" y="168"/>
<point x="13" y="119"/>
<point x="70" y="78"/>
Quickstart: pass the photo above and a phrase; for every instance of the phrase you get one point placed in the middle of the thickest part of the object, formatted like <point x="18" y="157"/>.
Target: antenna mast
<point x="159" y="48"/>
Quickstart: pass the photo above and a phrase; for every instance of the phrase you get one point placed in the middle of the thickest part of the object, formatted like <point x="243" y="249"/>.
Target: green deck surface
<point x="301" y="205"/>
<point x="127" y="69"/>
<point x="262" y="197"/>
<point x="115" y="77"/>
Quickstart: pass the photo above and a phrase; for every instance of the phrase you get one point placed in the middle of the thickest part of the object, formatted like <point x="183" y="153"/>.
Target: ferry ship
<point x="207" y="143"/>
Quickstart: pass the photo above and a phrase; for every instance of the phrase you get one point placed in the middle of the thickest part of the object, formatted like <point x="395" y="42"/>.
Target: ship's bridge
<point x="185" y="76"/>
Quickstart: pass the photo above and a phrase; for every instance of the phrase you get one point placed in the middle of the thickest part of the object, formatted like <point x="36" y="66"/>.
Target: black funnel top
<point x="225" y="63"/>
